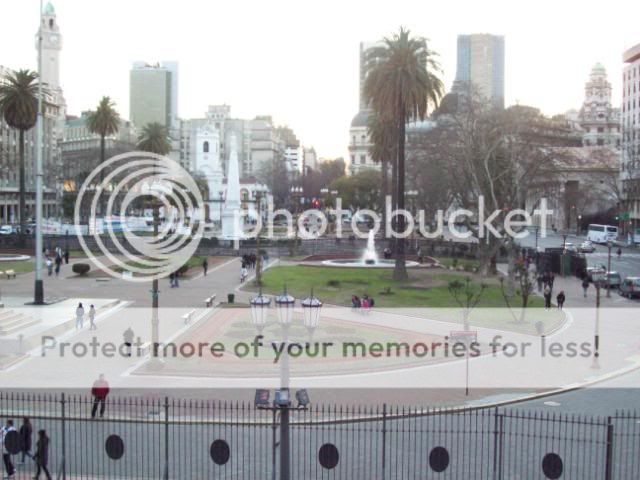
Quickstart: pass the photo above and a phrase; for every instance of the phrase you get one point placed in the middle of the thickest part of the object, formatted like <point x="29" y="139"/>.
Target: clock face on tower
<point x="54" y="39"/>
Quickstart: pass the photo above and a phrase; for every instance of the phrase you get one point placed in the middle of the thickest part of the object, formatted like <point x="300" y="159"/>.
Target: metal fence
<point x="178" y="439"/>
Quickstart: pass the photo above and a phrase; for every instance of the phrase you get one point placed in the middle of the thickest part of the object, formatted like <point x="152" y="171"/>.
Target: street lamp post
<point x="578" y="224"/>
<point x="609" y="246"/>
<point x="285" y="304"/>
<point x="38" y="296"/>
<point x="598" y="277"/>
<point x="412" y="195"/>
<point x="257" y="194"/>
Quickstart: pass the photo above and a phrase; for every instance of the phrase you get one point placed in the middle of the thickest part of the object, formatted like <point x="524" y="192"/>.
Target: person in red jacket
<point x="100" y="390"/>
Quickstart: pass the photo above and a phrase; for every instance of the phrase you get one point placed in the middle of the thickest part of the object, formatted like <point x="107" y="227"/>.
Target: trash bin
<point x="230" y="297"/>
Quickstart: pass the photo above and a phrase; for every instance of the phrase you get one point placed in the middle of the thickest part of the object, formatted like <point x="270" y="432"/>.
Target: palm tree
<point x="154" y="138"/>
<point x="19" y="107"/>
<point x="104" y="121"/>
<point x="383" y="144"/>
<point x="402" y="82"/>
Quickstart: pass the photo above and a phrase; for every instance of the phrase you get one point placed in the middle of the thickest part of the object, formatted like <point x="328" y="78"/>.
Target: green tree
<point x="19" y="107"/>
<point x="402" y="82"/>
<point x="360" y="191"/>
<point x="104" y="121"/>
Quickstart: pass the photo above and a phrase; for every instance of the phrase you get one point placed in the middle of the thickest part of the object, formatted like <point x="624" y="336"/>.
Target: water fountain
<point x="369" y="258"/>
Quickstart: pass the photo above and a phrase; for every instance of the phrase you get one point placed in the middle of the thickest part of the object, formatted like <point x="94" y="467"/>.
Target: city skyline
<point x="221" y="64"/>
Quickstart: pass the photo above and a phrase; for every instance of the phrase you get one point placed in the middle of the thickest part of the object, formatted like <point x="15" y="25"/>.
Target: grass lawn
<point x="425" y="288"/>
<point x="24" y="266"/>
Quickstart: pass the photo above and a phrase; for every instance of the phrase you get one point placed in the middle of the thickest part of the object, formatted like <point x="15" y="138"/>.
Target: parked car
<point x="586" y="247"/>
<point x="6" y="230"/>
<point x="614" y="279"/>
<point x="570" y="247"/>
<point x="630" y="287"/>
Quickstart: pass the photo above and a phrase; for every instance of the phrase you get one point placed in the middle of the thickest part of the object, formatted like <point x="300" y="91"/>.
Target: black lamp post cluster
<point x="285" y="304"/>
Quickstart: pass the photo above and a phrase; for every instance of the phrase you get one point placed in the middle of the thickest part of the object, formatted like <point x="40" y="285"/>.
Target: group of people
<point x="24" y="435"/>
<point x="249" y="260"/>
<point x="80" y="317"/>
<point x="545" y="284"/>
<point x="363" y="304"/>
<point x="58" y="258"/>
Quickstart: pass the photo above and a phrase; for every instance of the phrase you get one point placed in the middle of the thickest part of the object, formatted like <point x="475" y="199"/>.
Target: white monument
<point x="231" y="214"/>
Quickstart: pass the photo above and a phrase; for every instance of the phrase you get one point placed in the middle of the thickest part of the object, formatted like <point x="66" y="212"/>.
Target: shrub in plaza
<point x="81" y="268"/>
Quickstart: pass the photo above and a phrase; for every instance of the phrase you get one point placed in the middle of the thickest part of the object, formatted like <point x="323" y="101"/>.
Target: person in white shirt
<point x="79" y="316"/>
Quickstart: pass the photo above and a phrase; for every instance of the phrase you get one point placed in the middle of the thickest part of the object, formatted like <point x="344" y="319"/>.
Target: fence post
<point x="497" y="444"/>
<point x="63" y="436"/>
<point x="166" y="439"/>
<point x="384" y="440"/>
<point x="608" y="473"/>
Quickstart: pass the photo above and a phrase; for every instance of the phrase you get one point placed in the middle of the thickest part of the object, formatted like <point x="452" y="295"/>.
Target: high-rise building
<point x="481" y="64"/>
<point x="153" y="95"/>
<point x="630" y="146"/>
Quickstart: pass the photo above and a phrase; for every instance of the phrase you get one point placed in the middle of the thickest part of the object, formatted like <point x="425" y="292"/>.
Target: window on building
<point x="600" y="142"/>
<point x="205" y="147"/>
<point x="353" y="159"/>
<point x="363" y="159"/>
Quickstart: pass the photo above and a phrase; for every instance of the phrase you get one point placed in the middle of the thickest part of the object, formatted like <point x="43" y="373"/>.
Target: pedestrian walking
<point x="547" y="297"/>
<point x="58" y="264"/>
<point x="66" y="256"/>
<point x="25" y="432"/>
<point x="585" y="286"/>
<point x="560" y="299"/>
<point x="6" y="456"/>
<point x="49" y="266"/>
<point x="243" y="274"/>
<point x="42" y="455"/>
<point x="99" y="391"/>
<point x="176" y="283"/>
<point x="92" y="318"/>
<point x="539" y="280"/>
<point x="79" y="316"/>
<point x="171" y="279"/>
<point x="205" y="266"/>
<point x="619" y="253"/>
<point x="128" y="340"/>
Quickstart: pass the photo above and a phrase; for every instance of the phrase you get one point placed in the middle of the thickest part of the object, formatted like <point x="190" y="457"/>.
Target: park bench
<point x="208" y="302"/>
<point x="188" y="316"/>
<point x="10" y="273"/>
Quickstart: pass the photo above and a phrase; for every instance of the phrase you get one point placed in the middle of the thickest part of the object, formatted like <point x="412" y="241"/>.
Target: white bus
<point x="602" y="233"/>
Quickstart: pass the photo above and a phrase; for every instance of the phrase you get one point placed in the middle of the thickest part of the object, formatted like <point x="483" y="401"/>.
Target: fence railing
<point x="164" y="438"/>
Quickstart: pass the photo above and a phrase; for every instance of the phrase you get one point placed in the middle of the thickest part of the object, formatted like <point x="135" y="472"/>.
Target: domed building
<point x="598" y="120"/>
<point x="359" y="156"/>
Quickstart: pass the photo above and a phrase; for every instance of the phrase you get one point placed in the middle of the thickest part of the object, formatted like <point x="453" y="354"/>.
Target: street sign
<point x="463" y="336"/>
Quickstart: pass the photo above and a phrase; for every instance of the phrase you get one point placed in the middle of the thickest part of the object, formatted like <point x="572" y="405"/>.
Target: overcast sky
<point x="298" y="60"/>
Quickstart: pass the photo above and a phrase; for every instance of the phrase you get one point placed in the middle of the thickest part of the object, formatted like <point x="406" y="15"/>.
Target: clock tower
<point x="51" y="46"/>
